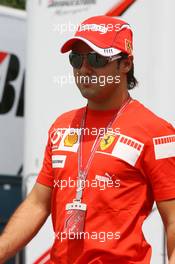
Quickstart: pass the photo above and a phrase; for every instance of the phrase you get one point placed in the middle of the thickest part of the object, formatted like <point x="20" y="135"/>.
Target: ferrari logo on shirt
<point x="70" y="139"/>
<point x="128" y="46"/>
<point x="106" y="141"/>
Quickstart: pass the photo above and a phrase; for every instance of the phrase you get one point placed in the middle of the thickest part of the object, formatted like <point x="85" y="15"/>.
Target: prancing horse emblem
<point x="106" y="141"/>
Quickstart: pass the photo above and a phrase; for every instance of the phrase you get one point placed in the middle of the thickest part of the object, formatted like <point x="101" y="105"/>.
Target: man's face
<point x="100" y="84"/>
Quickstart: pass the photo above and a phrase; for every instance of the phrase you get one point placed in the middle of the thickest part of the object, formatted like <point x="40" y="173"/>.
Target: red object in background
<point x="2" y="56"/>
<point x="44" y="259"/>
<point x="120" y="8"/>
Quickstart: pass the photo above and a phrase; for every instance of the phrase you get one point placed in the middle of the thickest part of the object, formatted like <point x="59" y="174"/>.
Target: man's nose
<point x="86" y="68"/>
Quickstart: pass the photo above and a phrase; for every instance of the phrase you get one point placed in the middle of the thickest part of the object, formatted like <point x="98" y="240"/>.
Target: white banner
<point x="12" y="62"/>
<point x="49" y="93"/>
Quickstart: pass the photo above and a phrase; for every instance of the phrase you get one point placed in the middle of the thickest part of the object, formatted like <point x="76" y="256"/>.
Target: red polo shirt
<point x="133" y="166"/>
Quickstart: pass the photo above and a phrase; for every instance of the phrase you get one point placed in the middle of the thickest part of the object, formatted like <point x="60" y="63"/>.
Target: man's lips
<point x="86" y="80"/>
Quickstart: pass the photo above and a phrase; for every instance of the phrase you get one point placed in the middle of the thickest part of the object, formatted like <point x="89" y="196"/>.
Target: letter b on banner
<point x="9" y="71"/>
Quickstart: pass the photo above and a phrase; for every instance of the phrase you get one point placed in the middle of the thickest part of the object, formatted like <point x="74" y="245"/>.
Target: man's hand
<point x="172" y="259"/>
<point x="167" y="212"/>
<point x="26" y="221"/>
<point x="3" y="251"/>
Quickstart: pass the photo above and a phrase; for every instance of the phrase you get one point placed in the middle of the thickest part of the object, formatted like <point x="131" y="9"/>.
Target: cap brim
<point x="67" y="46"/>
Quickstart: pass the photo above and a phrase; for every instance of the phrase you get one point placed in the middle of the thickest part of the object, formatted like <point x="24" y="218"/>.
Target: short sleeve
<point x="45" y="176"/>
<point x="159" y="164"/>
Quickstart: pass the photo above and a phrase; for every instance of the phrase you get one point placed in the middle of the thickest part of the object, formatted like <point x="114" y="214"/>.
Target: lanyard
<point x="83" y="172"/>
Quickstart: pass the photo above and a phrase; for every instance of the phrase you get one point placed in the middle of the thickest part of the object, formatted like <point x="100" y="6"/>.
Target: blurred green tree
<point x="20" y="4"/>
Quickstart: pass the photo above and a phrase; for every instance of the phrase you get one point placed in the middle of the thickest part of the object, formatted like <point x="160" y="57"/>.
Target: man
<point x="111" y="176"/>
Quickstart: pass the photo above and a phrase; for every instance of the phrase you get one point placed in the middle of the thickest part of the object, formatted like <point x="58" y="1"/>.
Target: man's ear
<point x="126" y="64"/>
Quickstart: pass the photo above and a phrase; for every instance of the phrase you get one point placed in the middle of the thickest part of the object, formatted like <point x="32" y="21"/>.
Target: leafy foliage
<point x="20" y="4"/>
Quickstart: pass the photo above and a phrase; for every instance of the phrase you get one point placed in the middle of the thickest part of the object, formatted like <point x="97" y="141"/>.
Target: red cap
<point x="106" y="35"/>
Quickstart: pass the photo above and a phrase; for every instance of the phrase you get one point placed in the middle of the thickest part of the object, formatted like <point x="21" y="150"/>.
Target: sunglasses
<point x="94" y="59"/>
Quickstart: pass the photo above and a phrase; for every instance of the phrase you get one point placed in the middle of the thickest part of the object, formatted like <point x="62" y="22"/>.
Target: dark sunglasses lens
<point x="96" y="60"/>
<point x="75" y="60"/>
